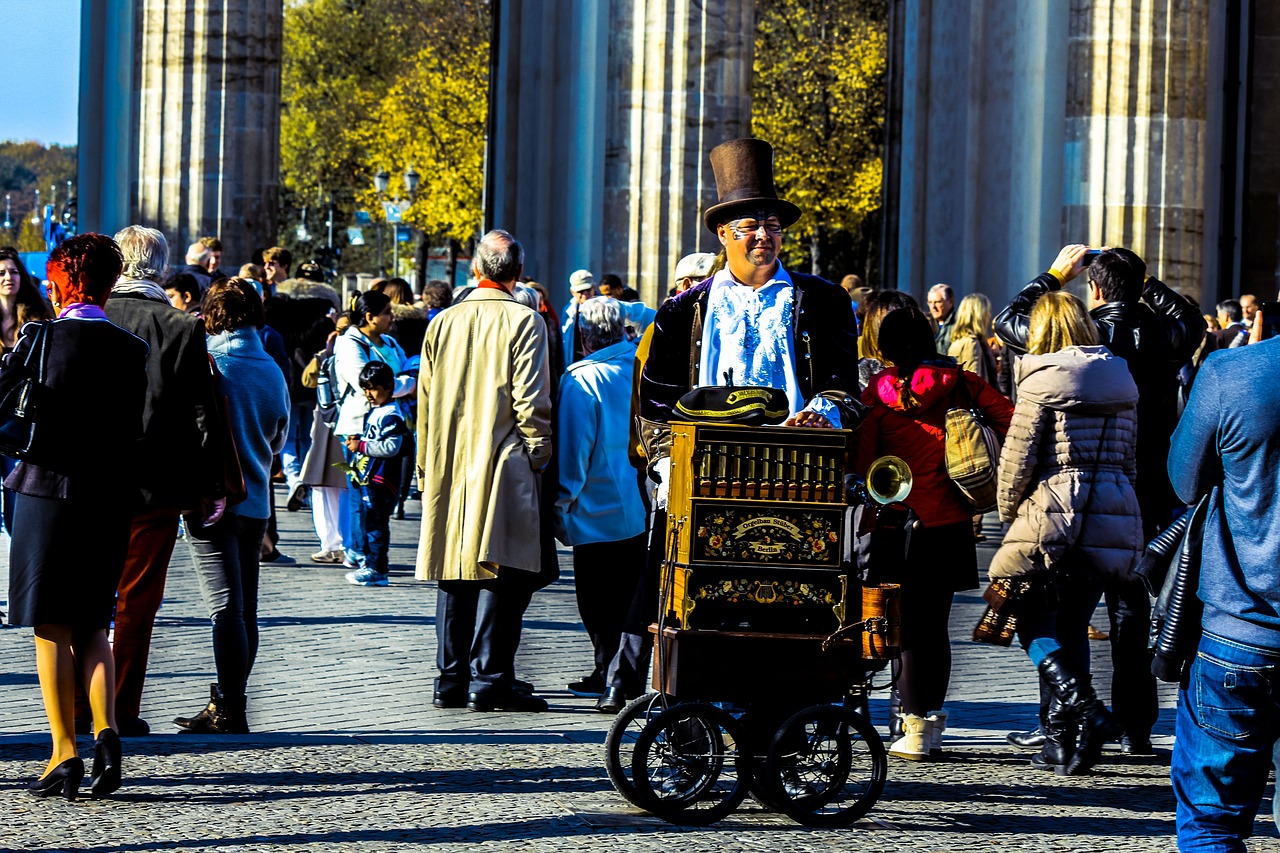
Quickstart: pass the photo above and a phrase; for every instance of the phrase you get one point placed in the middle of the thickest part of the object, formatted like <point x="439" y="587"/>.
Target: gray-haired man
<point x="484" y="436"/>
<point x="179" y="413"/>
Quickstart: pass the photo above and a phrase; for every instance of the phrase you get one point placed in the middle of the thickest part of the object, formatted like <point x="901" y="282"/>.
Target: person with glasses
<point x="754" y="322"/>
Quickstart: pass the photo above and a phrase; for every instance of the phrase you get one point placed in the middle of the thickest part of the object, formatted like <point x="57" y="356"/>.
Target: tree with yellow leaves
<point x="818" y="96"/>
<point x="374" y="85"/>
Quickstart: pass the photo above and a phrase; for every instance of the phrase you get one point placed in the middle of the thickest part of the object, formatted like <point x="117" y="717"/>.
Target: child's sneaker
<point x="367" y="577"/>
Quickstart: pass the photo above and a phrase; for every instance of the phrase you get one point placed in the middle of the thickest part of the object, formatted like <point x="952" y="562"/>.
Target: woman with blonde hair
<point x="970" y="350"/>
<point x="1066" y="487"/>
<point x="969" y="340"/>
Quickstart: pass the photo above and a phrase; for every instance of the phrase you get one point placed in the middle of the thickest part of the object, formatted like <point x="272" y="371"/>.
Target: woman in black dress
<point x="75" y="497"/>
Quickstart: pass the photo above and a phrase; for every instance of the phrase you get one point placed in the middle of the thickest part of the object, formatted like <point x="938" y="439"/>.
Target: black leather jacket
<point x="1155" y="337"/>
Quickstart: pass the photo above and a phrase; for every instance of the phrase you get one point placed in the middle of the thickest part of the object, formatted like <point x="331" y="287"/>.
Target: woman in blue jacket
<point x="225" y="541"/>
<point x="599" y="508"/>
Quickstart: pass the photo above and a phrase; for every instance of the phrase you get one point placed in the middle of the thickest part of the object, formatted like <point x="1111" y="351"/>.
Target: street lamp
<point x="303" y="235"/>
<point x="380" y="183"/>
<point x="35" y="214"/>
<point x="411" y="178"/>
<point x="8" y="223"/>
<point x="330" y="222"/>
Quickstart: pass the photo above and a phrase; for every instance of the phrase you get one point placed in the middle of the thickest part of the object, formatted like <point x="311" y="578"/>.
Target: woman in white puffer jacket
<point x="1067" y="475"/>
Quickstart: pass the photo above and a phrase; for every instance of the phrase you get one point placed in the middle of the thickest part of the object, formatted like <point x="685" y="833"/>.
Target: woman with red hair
<point x="75" y="498"/>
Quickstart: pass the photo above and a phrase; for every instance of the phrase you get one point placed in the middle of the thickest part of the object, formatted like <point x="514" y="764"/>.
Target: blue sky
<point x="41" y="89"/>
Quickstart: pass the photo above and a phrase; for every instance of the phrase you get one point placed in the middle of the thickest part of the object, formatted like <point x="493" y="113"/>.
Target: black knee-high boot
<point x="1075" y="704"/>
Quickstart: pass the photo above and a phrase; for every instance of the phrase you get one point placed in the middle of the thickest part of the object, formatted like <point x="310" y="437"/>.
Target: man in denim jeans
<point x="1229" y="713"/>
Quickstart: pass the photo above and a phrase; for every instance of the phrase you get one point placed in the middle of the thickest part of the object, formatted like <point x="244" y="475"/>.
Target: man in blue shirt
<point x="1229" y="709"/>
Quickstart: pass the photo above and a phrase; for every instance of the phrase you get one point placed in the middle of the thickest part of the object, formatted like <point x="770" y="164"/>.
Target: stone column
<point x="680" y="84"/>
<point x="208" y="112"/>
<point x="973" y="177"/>
<point x="106" y="150"/>
<point x="603" y="116"/>
<point x="1136" y="133"/>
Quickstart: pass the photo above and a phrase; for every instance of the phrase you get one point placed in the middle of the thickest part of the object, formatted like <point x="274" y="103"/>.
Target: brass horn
<point x="889" y="480"/>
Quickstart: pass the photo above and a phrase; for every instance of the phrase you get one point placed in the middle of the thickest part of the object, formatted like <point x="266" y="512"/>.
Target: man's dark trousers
<point x="478" y="631"/>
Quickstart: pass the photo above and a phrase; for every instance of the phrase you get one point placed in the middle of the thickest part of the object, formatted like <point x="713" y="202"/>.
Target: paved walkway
<point x="348" y="753"/>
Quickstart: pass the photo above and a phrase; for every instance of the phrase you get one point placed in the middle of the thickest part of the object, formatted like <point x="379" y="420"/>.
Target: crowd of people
<point x="1109" y="404"/>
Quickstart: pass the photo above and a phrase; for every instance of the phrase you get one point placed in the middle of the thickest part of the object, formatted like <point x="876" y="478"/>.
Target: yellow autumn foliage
<point x="371" y="85"/>
<point x="819" y="96"/>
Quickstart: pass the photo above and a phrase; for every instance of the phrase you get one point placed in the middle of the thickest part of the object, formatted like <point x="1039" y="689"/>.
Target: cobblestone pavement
<point x="348" y="753"/>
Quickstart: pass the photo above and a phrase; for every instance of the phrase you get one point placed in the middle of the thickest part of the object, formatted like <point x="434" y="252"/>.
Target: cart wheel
<point x="621" y="740"/>
<point x="687" y="767"/>
<point x="826" y="766"/>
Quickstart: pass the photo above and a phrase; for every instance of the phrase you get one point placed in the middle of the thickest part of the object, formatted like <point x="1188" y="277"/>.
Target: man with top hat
<point x="753" y="322"/>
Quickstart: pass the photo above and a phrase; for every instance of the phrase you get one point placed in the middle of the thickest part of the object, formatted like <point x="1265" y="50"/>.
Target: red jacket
<point x="911" y="425"/>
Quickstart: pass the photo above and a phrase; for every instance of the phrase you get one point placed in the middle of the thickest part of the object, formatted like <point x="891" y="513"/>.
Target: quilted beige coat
<point x="1071" y="445"/>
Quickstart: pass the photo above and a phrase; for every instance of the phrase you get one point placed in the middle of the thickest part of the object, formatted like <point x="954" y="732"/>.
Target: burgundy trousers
<point x="151" y="540"/>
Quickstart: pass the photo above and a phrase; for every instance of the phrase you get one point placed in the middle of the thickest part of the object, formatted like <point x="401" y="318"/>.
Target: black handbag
<point x="18" y="406"/>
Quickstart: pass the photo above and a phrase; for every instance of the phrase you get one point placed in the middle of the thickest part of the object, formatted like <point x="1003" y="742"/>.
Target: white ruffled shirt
<point x="751" y="332"/>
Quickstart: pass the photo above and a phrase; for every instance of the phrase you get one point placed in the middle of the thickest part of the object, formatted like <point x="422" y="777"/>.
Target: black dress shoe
<point x="132" y="727"/>
<point x="612" y="701"/>
<point x="105" y="778"/>
<point x="509" y="700"/>
<point x="1033" y="739"/>
<point x="449" y="700"/>
<point x="63" y="779"/>
<point x="591" y="687"/>
<point x="1136" y="745"/>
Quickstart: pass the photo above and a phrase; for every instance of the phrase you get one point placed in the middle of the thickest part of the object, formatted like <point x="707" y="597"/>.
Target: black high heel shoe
<point x="106" y="764"/>
<point x="63" y="779"/>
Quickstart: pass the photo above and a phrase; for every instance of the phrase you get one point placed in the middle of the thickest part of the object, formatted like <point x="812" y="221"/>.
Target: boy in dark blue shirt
<point x="376" y="468"/>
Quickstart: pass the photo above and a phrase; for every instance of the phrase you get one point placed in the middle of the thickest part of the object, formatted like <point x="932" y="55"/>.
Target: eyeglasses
<point x="742" y="227"/>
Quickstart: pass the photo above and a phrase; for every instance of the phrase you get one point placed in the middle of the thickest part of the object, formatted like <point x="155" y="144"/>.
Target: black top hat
<point x="744" y="179"/>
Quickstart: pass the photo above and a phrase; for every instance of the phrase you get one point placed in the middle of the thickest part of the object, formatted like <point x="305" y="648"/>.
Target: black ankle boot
<point x="1034" y="738"/>
<point x="224" y="715"/>
<point x="1074" y="692"/>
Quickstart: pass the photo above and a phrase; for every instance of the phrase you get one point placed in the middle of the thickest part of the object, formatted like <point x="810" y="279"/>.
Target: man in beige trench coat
<point x="484" y="434"/>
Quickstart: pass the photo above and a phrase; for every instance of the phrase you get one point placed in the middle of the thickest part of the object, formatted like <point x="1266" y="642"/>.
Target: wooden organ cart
<point x="768" y="639"/>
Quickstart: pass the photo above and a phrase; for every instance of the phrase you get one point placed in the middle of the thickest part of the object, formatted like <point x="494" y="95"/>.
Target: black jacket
<point x="1156" y="337"/>
<point x="89" y="412"/>
<point x="826" y="343"/>
<point x="181" y="459"/>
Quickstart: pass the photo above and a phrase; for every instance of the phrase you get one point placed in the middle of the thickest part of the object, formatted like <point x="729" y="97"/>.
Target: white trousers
<point x="326" y="512"/>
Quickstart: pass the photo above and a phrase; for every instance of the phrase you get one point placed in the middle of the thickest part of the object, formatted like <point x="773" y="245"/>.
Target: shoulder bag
<point x="232" y="472"/>
<point x="972" y="451"/>
<point x="18" y="407"/>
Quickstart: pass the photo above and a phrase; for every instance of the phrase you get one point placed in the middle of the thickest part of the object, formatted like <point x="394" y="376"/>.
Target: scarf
<point x="82" y="311"/>
<point x="141" y="287"/>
